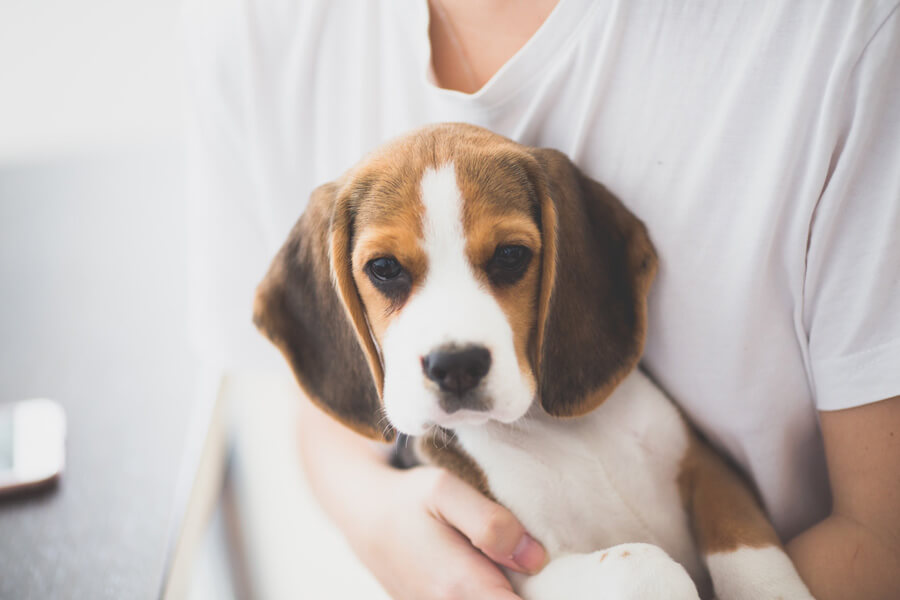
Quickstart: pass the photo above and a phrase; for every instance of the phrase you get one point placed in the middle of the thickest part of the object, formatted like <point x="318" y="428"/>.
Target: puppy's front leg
<point x="624" y="572"/>
<point x="743" y="554"/>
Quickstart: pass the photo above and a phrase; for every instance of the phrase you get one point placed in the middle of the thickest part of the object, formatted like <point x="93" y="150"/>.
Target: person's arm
<point x="423" y="533"/>
<point x="851" y="294"/>
<point x="855" y="552"/>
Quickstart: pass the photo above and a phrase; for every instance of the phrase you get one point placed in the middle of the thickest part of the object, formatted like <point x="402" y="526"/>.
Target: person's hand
<point x="426" y="534"/>
<point x="423" y="533"/>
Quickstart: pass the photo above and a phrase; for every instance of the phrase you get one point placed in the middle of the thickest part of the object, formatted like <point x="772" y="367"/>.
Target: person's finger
<point x="483" y="579"/>
<point x="489" y="527"/>
<point x="501" y="594"/>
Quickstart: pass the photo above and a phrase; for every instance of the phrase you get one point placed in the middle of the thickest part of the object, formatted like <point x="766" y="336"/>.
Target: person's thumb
<point x="489" y="526"/>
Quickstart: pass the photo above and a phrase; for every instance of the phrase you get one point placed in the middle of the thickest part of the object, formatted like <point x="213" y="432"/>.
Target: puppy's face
<point x="448" y="269"/>
<point x="452" y="278"/>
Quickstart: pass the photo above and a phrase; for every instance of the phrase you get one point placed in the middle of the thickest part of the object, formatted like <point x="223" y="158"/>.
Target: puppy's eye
<point x="385" y="268"/>
<point x="508" y="264"/>
<point x="510" y="257"/>
<point x="390" y="278"/>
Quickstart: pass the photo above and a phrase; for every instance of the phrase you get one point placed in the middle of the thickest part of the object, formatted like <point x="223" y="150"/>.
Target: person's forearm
<point x="339" y="463"/>
<point x="839" y="558"/>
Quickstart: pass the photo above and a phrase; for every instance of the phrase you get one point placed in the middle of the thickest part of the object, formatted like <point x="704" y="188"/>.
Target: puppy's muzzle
<point x="457" y="371"/>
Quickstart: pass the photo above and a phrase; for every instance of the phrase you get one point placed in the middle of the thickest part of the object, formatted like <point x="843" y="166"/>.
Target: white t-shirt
<point x="759" y="141"/>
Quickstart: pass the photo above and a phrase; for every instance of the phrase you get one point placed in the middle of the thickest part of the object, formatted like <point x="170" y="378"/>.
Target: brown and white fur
<point x="406" y="257"/>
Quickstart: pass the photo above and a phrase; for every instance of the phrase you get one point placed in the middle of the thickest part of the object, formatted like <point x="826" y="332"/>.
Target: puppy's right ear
<point x="308" y="306"/>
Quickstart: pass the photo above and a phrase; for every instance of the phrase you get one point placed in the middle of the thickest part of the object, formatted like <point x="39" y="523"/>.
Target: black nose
<point x="457" y="370"/>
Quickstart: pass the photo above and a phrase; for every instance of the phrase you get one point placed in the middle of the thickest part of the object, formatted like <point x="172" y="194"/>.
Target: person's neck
<point x="472" y="39"/>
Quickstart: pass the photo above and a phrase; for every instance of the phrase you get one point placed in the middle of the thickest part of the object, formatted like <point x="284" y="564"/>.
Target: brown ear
<point x="309" y="307"/>
<point x="597" y="265"/>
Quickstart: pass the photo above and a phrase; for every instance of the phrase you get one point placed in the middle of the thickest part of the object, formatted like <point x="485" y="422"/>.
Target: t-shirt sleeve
<point x="227" y="238"/>
<point x="852" y="287"/>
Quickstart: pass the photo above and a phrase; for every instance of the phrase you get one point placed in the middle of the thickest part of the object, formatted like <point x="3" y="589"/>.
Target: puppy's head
<point x="452" y="278"/>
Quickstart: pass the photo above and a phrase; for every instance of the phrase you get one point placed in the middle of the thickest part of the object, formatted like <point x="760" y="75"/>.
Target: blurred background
<point x="177" y="484"/>
<point x="86" y="77"/>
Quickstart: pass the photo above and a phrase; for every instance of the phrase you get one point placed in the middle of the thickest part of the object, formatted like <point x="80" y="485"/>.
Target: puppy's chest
<point x="585" y="484"/>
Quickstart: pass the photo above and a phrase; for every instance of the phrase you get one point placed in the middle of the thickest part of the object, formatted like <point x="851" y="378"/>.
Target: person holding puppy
<point x="760" y="144"/>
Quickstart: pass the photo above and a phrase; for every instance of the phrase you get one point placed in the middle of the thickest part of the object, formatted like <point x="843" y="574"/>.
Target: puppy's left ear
<point x="596" y="270"/>
<point x="309" y="307"/>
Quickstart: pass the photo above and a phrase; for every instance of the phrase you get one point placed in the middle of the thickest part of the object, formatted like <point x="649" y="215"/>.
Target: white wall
<point x="79" y="76"/>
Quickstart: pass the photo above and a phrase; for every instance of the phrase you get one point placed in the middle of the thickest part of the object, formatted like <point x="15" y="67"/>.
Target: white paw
<point x="624" y="572"/>
<point x="755" y="574"/>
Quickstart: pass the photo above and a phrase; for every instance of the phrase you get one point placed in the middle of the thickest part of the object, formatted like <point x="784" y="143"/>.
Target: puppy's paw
<point x="765" y="573"/>
<point x="624" y="572"/>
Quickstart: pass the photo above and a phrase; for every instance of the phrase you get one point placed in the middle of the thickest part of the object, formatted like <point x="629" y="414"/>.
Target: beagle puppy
<point x="460" y="285"/>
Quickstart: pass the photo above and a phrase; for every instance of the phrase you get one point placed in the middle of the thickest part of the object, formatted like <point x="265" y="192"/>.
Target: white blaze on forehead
<point x="442" y="226"/>
<point x="451" y="306"/>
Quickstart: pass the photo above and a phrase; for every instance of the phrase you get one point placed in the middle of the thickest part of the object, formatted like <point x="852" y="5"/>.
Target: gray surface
<point x="92" y="313"/>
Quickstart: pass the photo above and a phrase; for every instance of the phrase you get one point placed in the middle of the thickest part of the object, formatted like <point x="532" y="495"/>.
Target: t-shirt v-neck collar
<point x="559" y="30"/>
